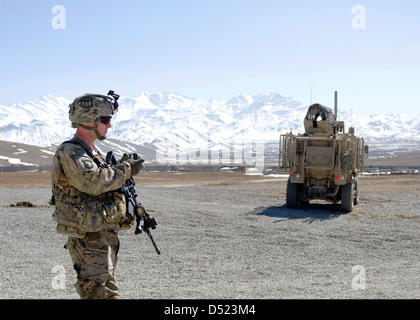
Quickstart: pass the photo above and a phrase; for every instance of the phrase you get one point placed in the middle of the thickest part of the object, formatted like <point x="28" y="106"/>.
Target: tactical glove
<point x="132" y="156"/>
<point x="135" y="161"/>
<point x="136" y="166"/>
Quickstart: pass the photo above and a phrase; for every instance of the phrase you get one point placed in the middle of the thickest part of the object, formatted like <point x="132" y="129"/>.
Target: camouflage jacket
<point x="83" y="188"/>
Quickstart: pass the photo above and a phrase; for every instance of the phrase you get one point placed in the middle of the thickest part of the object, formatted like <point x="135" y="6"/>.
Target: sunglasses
<point x="105" y="120"/>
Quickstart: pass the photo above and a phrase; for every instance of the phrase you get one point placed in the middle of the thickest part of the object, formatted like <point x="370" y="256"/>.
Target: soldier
<point x="87" y="208"/>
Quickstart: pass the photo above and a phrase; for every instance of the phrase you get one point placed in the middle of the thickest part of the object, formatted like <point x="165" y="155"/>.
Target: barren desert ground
<point x="226" y="235"/>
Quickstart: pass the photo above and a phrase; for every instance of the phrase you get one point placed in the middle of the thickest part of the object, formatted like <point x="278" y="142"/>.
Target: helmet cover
<point x="89" y="107"/>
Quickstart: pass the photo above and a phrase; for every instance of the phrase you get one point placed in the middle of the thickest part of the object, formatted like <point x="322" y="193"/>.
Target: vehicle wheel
<point x="347" y="197"/>
<point x="291" y="194"/>
<point x="356" y="192"/>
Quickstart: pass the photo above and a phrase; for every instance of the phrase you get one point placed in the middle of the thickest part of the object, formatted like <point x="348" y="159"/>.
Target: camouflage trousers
<point x="95" y="259"/>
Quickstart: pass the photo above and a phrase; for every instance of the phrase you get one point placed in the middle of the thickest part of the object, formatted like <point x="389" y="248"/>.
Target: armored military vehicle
<point x="324" y="162"/>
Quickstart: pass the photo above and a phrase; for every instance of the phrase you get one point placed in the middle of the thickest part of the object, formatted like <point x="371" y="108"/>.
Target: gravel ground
<point x="230" y="236"/>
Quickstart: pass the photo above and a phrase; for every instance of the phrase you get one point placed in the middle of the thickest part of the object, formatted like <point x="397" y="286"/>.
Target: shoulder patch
<point x="87" y="162"/>
<point x="80" y="152"/>
<point x="79" y="156"/>
<point x="75" y="150"/>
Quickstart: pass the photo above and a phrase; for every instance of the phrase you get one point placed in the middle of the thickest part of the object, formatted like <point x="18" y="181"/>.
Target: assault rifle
<point x="134" y="209"/>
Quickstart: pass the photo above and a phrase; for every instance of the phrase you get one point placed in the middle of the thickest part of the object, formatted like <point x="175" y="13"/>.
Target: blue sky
<point x="216" y="49"/>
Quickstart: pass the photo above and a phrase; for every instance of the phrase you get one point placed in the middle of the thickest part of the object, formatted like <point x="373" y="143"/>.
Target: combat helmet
<point x="89" y="108"/>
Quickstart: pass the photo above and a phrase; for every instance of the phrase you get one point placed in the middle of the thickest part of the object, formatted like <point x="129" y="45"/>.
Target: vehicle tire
<point x="356" y="192"/>
<point x="347" y="197"/>
<point x="291" y="194"/>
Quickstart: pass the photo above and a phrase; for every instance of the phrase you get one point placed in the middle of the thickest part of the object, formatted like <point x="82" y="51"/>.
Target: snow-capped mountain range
<point x="171" y="127"/>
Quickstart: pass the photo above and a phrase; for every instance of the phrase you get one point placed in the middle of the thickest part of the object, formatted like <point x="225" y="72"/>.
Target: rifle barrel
<point x="153" y="241"/>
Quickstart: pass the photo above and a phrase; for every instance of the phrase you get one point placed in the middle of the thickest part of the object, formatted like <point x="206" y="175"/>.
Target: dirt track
<point x="230" y="236"/>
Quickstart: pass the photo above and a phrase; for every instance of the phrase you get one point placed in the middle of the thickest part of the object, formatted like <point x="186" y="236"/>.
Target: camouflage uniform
<point x="90" y="212"/>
